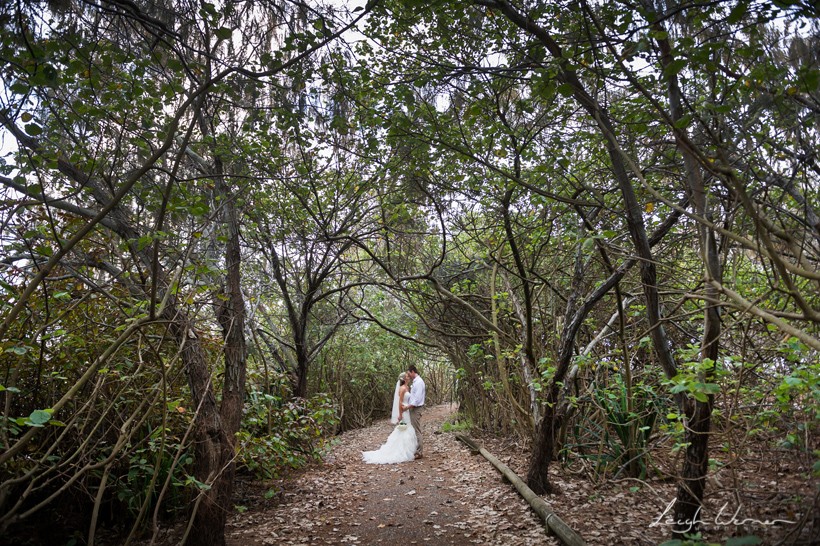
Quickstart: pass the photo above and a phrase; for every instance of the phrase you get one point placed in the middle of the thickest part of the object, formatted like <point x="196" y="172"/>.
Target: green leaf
<point x="33" y="129"/>
<point x="793" y="381"/>
<point x="144" y="241"/>
<point x="810" y="79"/>
<point x="19" y="87"/>
<point x="46" y="75"/>
<point x="675" y="67"/>
<point x="709" y="388"/>
<point x="683" y="122"/>
<point x="39" y="417"/>
<point x="735" y="16"/>
<point x="209" y="9"/>
<point x="44" y="250"/>
<point x="223" y="33"/>
<point x="199" y="209"/>
<point x="198" y="484"/>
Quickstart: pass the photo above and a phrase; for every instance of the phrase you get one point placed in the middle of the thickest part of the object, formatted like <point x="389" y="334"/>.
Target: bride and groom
<point x="405" y="442"/>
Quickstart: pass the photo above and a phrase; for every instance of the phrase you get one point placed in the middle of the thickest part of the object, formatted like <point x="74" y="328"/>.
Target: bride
<point x="401" y="444"/>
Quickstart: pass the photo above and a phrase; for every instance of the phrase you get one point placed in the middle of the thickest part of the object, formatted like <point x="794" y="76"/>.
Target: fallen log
<point x="554" y="524"/>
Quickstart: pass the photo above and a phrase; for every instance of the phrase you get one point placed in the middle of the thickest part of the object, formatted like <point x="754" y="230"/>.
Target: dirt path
<point x="449" y="497"/>
<point x="452" y="497"/>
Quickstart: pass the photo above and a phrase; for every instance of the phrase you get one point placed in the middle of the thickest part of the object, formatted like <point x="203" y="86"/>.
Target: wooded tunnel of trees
<point x="225" y="228"/>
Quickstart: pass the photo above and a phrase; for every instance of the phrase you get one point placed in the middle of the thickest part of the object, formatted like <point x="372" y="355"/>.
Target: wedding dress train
<point x="400" y="446"/>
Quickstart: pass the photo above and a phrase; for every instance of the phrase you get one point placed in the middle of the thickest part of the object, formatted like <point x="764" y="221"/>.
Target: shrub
<point x="277" y="435"/>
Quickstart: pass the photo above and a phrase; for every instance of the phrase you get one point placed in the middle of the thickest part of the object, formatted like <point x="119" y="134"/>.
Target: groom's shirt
<point x="417" y="392"/>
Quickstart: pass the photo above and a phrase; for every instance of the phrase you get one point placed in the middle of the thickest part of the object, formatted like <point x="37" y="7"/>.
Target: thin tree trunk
<point x="542" y="453"/>
<point x="544" y="449"/>
<point x="212" y="448"/>
<point x="302" y="365"/>
<point x="525" y="312"/>
<point x="208" y="525"/>
<point x="698" y="413"/>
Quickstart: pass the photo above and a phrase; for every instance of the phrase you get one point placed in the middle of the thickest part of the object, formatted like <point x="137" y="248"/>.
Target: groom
<point x="416" y="402"/>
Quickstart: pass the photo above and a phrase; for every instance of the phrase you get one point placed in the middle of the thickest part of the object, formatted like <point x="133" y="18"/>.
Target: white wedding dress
<point x="400" y="446"/>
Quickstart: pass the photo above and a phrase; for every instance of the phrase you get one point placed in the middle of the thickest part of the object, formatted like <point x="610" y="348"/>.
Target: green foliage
<point x="799" y="391"/>
<point x="456" y="423"/>
<point x="693" y="385"/>
<point x="360" y="365"/>
<point x="278" y="435"/>
<point x="619" y="443"/>
<point x="146" y="472"/>
<point x="446" y="128"/>
<point x="790" y="395"/>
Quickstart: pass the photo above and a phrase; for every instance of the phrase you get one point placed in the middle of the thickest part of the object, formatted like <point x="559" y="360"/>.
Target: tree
<point x="105" y="109"/>
<point x="306" y="242"/>
<point x="666" y="143"/>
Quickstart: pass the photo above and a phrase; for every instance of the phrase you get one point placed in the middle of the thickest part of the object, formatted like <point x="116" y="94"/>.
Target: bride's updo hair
<point x="402" y="375"/>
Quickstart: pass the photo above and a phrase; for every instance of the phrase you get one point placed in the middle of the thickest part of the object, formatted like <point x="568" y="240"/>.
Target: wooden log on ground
<point x="555" y="525"/>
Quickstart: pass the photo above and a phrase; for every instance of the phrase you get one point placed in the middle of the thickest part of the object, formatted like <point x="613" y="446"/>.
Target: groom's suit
<point x="418" y="391"/>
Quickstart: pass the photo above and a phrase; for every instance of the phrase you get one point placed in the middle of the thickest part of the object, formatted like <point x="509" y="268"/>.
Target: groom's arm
<point x="417" y="394"/>
<point x="414" y="401"/>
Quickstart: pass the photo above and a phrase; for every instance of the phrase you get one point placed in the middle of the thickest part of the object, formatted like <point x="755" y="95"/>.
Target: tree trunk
<point x="212" y="448"/>
<point x="542" y="453"/>
<point x="302" y="364"/>
<point x="297" y="317"/>
<point x="215" y="434"/>
<point x="232" y="315"/>
<point x="544" y="446"/>
<point x="698" y="414"/>
<point x="692" y="481"/>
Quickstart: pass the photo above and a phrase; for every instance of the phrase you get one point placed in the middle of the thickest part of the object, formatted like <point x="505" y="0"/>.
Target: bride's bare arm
<point x="402" y="390"/>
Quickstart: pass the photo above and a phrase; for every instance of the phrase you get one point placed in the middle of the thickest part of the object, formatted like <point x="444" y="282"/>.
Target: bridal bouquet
<point x="401" y="425"/>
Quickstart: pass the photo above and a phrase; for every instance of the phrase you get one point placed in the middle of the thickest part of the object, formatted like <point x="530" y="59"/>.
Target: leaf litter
<point x="451" y="497"/>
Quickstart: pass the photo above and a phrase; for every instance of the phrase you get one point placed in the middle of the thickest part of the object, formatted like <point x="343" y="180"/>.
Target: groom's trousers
<point x="415" y="420"/>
